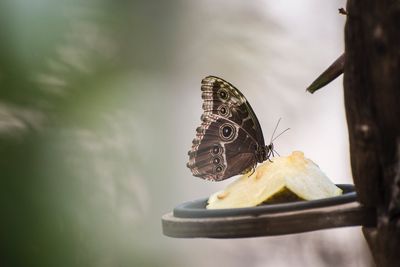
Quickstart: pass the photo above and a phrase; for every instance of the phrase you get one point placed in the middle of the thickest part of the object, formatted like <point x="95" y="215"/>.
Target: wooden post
<point x="372" y="101"/>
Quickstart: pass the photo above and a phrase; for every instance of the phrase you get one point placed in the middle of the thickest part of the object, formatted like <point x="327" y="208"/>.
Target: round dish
<point x="197" y="208"/>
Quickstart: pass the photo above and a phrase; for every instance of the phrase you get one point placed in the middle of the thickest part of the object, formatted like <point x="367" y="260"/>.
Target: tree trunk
<point x="372" y="101"/>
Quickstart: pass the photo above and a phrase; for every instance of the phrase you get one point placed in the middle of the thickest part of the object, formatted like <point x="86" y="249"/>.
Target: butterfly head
<point x="269" y="151"/>
<point x="264" y="153"/>
<point x="269" y="148"/>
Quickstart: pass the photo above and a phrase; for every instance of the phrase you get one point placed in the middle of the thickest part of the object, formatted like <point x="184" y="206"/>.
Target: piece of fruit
<point x="284" y="179"/>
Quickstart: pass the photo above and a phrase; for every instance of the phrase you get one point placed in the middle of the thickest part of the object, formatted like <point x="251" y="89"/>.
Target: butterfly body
<point x="229" y="140"/>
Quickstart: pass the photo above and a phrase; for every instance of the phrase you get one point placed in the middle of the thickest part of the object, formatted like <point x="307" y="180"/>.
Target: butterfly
<point x="229" y="140"/>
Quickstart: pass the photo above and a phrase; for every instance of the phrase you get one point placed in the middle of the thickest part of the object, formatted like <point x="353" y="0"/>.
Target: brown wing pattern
<point x="213" y="157"/>
<point x="223" y="99"/>
<point x="229" y="135"/>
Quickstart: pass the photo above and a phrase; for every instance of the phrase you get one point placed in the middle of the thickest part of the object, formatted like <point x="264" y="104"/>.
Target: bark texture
<point x="372" y="101"/>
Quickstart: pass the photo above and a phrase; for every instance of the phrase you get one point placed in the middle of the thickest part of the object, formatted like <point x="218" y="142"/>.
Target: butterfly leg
<point x="253" y="167"/>
<point x="253" y="170"/>
<point x="270" y="152"/>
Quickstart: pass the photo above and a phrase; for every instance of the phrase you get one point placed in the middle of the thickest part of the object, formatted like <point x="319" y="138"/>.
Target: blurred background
<point x="99" y="101"/>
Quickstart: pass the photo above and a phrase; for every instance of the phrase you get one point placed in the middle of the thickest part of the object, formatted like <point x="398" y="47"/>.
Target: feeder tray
<point x="192" y="219"/>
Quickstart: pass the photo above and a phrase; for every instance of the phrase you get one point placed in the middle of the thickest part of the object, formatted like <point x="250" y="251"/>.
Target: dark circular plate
<point x="197" y="208"/>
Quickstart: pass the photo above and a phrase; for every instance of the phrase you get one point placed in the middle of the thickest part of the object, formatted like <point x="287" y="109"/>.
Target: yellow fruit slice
<point x="286" y="178"/>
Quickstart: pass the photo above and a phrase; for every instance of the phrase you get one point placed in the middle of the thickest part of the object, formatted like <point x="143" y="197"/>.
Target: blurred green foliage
<point x="72" y="172"/>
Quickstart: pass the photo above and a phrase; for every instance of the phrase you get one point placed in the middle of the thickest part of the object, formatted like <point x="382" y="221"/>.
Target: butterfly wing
<point x="222" y="98"/>
<point x="230" y="136"/>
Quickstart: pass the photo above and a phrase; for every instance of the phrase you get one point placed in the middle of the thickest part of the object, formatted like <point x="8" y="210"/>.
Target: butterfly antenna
<point x="276" y="127"/>
<point x="272" y="151"/>
<point x="280" y="134"/>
